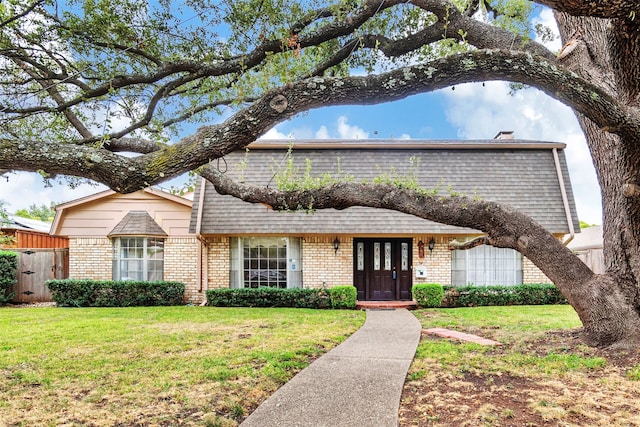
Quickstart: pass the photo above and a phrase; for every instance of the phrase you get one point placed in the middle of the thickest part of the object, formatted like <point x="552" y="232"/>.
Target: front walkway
<point x="358" y="383"/>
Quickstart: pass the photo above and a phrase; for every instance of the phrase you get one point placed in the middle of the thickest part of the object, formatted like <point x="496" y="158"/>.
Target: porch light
<point x="336" y="245"/>
<point x="432" y="244"/>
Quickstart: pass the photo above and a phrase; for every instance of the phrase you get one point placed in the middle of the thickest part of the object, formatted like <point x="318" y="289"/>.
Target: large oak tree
<point x="84" y="82"/>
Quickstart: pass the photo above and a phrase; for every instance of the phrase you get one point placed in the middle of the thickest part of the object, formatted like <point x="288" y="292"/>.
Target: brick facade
<point x="218" y="262"/>
<point x="90" y="258"/>
<point x="181" y="265"/>
<point x="323" y="266"/>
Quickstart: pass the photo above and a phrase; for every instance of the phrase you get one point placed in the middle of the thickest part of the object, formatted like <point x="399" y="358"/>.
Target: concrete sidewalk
<point x="357" y="383"/>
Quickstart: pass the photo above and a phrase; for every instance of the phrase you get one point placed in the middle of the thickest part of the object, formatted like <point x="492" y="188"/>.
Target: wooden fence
<point x="35" y="266"/>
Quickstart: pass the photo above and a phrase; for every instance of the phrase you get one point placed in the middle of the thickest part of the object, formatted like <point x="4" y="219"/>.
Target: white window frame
<point x="486" y="266"/>
<point x="147" y="271"/>
<point x="293" y="261"/>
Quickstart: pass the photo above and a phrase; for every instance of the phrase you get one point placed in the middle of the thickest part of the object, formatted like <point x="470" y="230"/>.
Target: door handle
<point x="394" y="275"/>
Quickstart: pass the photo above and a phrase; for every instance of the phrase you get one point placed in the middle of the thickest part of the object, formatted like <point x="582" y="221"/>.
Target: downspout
<point x="202" y="247"/>
<point x="565" y="200"/>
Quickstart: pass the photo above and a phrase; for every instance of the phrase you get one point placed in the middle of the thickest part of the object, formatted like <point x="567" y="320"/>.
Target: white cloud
<point x="340" y="130"/>
<point x="547" y="19"/>
<point x="322" y="133"/>
<point x="23" y="189"/>
<point x="273" y="133"/>
<point x="481" y="111"/>
<point x="347" y="131"/>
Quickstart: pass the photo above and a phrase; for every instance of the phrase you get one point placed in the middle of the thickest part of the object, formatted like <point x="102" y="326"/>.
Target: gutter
<point x="565" y="200"/>
<point x="202" y="247"/>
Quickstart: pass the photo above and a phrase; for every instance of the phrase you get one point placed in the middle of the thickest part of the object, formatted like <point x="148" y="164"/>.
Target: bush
<point x="8" y="278"/>
<point x="428" y="294"/>
<point x="268" y="297"/>
<point x="530" y="294"/>
<point x="110" y="293"/>
<point x="343" y="296"/>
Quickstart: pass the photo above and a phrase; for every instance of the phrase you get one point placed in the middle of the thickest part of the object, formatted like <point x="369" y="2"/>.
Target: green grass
<point x="513" y="326"/>
<point x="541" y="375"/>
<point x="165" y="364"/>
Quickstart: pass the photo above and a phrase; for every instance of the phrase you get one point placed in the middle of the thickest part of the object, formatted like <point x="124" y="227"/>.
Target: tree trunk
<point x="608" y="304"/>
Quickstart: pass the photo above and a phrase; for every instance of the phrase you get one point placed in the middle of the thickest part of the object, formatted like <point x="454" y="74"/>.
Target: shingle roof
<point x="514" y="172"/>
<point x="137" y="223"/>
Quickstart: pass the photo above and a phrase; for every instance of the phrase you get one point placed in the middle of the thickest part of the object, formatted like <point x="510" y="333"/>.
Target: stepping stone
<point x="447" y="333"/>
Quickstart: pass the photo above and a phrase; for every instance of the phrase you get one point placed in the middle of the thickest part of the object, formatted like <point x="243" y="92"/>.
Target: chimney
<point x="504" y="134"/>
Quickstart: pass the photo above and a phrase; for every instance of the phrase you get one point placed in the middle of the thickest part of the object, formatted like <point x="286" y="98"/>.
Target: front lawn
<point x="149" y="366"/>
<point x="541" y="375"/>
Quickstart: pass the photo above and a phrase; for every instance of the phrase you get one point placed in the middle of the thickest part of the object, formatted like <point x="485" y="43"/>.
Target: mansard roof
<point x="523" y="174"/>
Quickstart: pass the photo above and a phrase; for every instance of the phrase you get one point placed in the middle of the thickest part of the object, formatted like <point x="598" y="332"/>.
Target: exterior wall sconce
<point x="420" y="249"/>
<point x="432" y="244"/>
<point x="336" y="245"/>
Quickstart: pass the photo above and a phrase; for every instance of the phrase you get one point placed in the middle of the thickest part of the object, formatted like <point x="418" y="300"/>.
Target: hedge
<point x="8" y="278"/>
<point x="428" y="294"/>
<point x="110" y="293"/>
<point x="343" y="296"/>
<point x="269" y="297"/>
<point x="530" y="294"/>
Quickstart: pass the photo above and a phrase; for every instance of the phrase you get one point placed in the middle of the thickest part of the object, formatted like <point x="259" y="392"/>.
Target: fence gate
<point x="35" y="266"/>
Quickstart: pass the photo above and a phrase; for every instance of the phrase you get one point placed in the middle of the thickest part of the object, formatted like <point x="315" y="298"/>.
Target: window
<point x="265" y="261"/>
<point x="138" y="258"/>
<point x="485" y="266"/>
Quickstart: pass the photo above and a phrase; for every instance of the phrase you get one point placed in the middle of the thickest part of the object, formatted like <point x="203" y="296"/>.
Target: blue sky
<point x="471" y="111"/>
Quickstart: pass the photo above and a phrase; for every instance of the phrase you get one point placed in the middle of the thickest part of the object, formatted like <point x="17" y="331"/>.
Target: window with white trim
<point x="138" y="258"/>
<point x="273" y="262"/>
<point x="486" y="266"/>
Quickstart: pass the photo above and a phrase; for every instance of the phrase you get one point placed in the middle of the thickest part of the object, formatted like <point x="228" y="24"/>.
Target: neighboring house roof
<point x="137" y="223"/>
<point x="514" y="172"/>
<point x="589" y="238"/>
<point x="19" y="223"/>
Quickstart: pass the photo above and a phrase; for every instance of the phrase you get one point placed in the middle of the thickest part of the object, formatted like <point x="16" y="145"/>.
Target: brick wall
<point x="436" y="263"/>
<point x="181" y="265"/>
<point x="531" y="273"/>
<point x="90" y="258"/>
<point x="218" y="262"/>
<point x="323" y="266"/>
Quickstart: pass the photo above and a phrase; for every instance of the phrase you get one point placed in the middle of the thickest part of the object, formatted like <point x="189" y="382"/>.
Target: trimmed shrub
<point x="269" y="297"/>
<point x="343" y="296"/>
<point x="111" y="293"/>
<point x="428" y="294"/>
<point x="8" y="278"/>
<point x="529" y="294"/>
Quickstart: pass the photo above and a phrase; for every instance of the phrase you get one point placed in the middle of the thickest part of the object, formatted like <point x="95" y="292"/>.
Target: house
<point x="220" y="242"/>
<point x="588" y="246"/>
<point x="139" y="236"/>
<point x="381" y="252"/>
<point x="29" y="233"/>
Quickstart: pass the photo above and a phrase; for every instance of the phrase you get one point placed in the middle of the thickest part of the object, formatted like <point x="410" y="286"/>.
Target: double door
<point x="382" y="269"/>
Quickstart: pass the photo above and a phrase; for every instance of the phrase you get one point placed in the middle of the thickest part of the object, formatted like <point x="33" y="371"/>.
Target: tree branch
<point x="505" y="227"/>
<point x="211" y="142"/>
<point x="597" y="9"/>
<point x="478" y="241"/>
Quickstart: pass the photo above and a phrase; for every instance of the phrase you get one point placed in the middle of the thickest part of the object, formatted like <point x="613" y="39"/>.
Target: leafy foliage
<point x="526" y="294"/>
<point x="41" y="213"/>
<point x="269" y="297"/>
<point x="428" y="294"/>
<point x="343" y="296"/>
<point x="8" y="267"/>
<point x="103" y="293"/>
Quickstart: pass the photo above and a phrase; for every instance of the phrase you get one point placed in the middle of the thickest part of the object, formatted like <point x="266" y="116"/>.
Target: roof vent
<point x="504" y="134"/>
